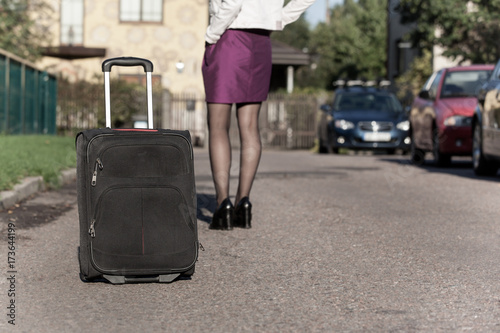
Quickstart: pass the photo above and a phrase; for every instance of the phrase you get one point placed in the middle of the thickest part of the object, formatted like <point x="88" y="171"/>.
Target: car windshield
<point x="362" y="101"/>
<point x="463" y="83"/>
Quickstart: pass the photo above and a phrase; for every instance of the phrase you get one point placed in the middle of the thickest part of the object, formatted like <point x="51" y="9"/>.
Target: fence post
<point x="6" y="96"/>
<point x="166" y="108"/>
<point x="23" y="100"/>
<point x="36" y="117"/>
<point x="45" y="103"/>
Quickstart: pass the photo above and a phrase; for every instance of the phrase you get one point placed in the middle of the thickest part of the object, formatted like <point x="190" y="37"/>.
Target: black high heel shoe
<point x="243" y="214"/>
<point x="223" y="216"/>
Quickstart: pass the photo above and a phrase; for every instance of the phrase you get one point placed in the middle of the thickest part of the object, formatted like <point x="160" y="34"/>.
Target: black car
<point x="486" y="127"/>
<point x="361" y="117"/>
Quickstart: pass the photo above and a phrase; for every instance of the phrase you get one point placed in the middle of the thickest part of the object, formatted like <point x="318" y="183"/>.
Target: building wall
<point x="400" y="54"/>
<point x="179" y="38"/>
<point x="439" y="61"/>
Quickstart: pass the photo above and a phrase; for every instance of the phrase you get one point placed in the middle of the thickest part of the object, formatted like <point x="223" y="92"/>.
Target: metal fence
<point x="28" y="97"/>
<point x="186" y="112"/>
<point x="289" y="121"/>
<point x="286" y="121"/>
<point x="81" y="105"/>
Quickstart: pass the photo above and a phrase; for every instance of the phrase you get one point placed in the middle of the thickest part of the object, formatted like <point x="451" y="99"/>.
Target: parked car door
<point x="422" y="113"/>
<point x="489" y="102"/>
<point x="491" y="122"/>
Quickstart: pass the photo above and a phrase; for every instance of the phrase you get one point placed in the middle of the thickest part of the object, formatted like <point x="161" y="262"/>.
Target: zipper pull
<point x="92" y="229"/>
<point x="201" y="247"/>
<point x="98" y="164"/>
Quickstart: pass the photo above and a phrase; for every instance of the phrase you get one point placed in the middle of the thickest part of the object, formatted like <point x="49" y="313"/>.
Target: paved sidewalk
<point x="30" y="186"/>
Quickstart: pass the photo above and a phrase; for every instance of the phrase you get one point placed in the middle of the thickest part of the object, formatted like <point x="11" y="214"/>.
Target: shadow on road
<point x="42" y="208"/>
<point x="461" y="167"/>
<point x="206" y="204"/>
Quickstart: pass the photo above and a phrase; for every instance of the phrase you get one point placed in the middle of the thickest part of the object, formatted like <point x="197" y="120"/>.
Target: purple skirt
<point x="237" y="69"/>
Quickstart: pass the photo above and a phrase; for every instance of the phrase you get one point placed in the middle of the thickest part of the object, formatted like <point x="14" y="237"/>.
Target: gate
<point x="286" y="121"/>
<point x="28" y="97"/>
<point x="289" y="121"/>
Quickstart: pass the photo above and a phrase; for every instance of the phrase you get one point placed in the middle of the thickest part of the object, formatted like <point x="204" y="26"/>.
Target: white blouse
<point x="252" y="14"/>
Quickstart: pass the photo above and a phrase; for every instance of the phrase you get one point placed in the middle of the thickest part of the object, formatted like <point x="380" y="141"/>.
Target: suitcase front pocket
<point x="132" y="159"/>
<point x="142" y="229"/>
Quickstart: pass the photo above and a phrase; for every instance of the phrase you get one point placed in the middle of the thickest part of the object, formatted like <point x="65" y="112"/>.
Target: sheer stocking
<point x="219" y="147"/>
<point x="251" y="147"/>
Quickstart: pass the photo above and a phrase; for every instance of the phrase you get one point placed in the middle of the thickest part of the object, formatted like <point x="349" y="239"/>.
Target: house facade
<point x="401" y="53"/>
<point x="170" y="33"/>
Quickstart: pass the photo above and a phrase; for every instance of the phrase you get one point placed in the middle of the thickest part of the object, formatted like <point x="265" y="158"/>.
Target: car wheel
<point x="417" y="155"/>
<point x="322" y="147"/>
<point x="440" y="159"/>
<point x="330" y="145"/>
<point x="327" y="148"/>
<point x="480" y="164"/>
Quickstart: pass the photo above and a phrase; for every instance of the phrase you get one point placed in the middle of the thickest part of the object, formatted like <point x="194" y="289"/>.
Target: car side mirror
<point x="326" y="108"/>
<point x="424" y="94"/>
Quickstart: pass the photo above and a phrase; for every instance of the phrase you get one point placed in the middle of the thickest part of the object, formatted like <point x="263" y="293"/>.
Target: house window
<point x="141" y="10"/>
<point x="71" y="22"/>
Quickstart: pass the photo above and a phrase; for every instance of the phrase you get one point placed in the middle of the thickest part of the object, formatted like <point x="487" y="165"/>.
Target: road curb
<point x="30" y="186"/>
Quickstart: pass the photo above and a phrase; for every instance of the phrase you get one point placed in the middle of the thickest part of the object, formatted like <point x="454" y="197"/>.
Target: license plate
<point x="377" y="137"/>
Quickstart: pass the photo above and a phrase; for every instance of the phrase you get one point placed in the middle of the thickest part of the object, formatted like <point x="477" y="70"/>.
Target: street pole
<point x="327" y="12"/>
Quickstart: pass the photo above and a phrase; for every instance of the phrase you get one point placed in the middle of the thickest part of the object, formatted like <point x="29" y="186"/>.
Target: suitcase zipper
<point x="92" y="229"/>
<point x="98" y="165"/>
<point x="98" y="204"/>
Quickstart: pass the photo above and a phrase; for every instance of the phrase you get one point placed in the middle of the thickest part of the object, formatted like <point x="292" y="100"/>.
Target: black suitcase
<point x="136" y="198"/>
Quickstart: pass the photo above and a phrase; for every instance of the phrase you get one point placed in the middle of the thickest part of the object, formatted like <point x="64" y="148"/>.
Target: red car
<point x="441" y="114"/>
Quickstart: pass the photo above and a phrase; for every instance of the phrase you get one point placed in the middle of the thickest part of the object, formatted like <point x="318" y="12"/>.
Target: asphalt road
<point x="338" y="244"/>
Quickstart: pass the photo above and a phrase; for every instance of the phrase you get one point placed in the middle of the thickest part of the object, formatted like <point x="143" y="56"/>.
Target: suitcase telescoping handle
<point x="128" y="62"/>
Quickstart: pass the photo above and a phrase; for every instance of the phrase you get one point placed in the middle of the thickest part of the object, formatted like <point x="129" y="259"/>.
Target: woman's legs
<point x="219" y="147"/>
<point x="219" y="119"/>
<point x="251" y="147"/>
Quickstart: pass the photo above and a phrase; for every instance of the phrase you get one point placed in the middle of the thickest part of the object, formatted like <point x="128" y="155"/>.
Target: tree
<point x="410" y="83"/>
<point x="296" y="34"/>
<point x="23" y="29"/>
<point x="468" y="30"/>
<point x="353" y="45"/>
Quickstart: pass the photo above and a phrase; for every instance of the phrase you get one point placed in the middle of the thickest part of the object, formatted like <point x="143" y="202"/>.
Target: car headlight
<point x="458" y="121"/>
<point x="344" y="124"/>
<point x="403" y="126"/>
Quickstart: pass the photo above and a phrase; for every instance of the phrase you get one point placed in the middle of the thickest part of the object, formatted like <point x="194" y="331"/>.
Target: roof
<point x="360" y="89"/>
<point x="74" y="52"/>
<point x="284" y="54"/>
<point x="470" y="68"/>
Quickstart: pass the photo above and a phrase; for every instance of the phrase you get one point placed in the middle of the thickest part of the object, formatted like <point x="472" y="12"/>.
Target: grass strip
<point x="34" y="155"/>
